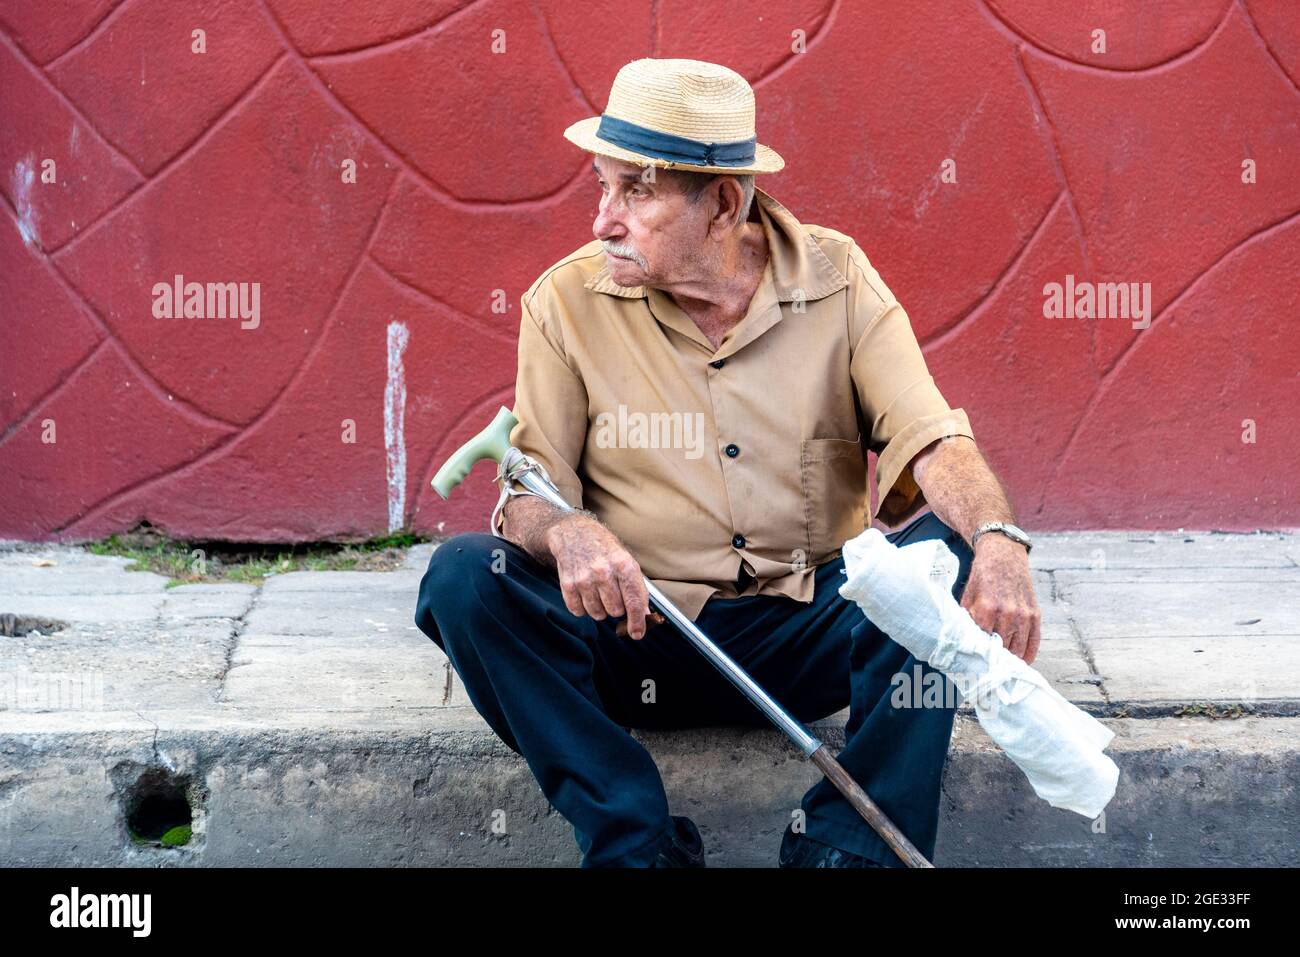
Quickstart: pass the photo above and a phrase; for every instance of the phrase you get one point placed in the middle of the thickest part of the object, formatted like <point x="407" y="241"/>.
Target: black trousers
<point x="562" y="690"/>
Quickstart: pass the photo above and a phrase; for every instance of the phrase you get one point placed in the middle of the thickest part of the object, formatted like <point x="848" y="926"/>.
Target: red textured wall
<point x="225" y="166"/>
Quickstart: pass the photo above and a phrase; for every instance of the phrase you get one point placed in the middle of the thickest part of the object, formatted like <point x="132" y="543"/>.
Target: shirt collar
<point x="798" y="267"/>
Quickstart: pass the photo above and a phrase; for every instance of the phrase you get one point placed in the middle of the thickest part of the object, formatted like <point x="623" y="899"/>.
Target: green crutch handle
<point x="492" y="443"/>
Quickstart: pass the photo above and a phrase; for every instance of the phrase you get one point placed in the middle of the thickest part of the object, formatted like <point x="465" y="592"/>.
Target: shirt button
<point x="719" y="363"/>
<point x="738" y="541"/>
<point x="733" y="450"/>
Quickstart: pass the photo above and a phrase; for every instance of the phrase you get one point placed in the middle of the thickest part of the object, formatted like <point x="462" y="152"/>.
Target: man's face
<point x="651" y="233"/>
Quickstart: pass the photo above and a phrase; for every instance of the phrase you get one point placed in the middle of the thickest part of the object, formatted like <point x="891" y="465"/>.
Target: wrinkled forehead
<point x="618" y="169"/>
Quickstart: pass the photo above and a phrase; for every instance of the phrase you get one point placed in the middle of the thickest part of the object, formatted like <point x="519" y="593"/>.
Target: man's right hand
<point x="598" y="576"/>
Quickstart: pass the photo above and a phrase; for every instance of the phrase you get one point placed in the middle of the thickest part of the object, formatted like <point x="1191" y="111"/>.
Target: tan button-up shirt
<point x="736" y="471"/>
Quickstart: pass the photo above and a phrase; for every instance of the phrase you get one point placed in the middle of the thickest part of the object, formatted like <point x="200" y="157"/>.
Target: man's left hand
<point x="1000" y="595"/>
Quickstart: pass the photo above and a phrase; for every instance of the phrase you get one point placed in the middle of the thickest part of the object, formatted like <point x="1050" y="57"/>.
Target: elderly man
<point x="703" y="382"/>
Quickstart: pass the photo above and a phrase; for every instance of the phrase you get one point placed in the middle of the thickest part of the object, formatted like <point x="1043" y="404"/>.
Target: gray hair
<point x="693" y="184"/>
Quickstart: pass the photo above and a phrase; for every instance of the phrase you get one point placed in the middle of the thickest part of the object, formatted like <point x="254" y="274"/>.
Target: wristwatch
<point x="1013" y="532"/>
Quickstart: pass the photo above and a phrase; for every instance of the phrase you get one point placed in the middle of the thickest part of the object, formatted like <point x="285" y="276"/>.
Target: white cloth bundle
<point x="907" y="593"/>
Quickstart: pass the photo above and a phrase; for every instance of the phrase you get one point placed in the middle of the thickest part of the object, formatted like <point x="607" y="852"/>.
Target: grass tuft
<point x="184" y="562"/>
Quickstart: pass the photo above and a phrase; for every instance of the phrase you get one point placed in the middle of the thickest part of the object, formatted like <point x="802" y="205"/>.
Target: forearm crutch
<point x="494" y="443"/>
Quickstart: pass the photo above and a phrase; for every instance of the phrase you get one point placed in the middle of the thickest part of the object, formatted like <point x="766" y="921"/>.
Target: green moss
<point x="177" y="836"/>
<point x="395" y="540"/>
<point x="175" y="559"/>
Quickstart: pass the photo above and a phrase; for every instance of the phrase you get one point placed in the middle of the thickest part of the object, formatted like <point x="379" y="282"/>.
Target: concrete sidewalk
<point x="308" y="722"/>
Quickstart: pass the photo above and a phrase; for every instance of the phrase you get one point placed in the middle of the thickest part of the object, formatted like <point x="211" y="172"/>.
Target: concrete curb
<point x="365" y="789"/>
<point x="308" y="722"/>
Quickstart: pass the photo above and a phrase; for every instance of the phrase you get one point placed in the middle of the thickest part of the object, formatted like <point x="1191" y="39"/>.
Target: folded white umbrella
<point x="907" y="593"/>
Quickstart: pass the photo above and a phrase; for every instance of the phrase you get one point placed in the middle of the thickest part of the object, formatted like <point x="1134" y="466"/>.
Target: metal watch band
<point x="1012" y="532"/>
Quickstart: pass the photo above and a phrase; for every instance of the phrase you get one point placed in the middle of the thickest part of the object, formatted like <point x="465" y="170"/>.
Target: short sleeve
<point x="901" y="405"/>
<point x="550" y="405"/>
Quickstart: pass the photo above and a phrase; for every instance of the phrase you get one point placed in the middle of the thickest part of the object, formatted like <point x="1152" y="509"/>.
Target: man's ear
<point x="725" y="198"/>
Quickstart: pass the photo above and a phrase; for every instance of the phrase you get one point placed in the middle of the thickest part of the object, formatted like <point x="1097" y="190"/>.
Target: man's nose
<point x="606" y="225"/>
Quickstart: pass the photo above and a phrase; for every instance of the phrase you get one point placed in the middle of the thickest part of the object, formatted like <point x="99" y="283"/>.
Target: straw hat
<point x="678" y="114"/>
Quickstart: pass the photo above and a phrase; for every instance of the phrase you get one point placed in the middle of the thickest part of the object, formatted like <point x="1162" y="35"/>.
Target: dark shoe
<point x="686" y="847"/>
<point x="800" y="850"/>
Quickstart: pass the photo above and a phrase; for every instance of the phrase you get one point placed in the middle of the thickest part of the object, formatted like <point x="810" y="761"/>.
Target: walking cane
<point x="494" y="443"/>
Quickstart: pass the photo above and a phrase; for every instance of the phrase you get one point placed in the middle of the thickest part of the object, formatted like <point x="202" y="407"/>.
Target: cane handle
<point x="492" y="443"/>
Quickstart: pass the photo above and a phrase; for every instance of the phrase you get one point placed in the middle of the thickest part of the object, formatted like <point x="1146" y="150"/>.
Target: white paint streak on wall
<point x="20" y="188"/>
<point x="394" y="425"/>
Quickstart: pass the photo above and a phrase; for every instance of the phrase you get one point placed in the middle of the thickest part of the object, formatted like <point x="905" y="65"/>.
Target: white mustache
<point x="625" y="251"/>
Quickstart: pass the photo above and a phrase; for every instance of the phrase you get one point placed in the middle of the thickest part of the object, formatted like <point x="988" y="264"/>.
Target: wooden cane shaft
<point x="868" y="808"/>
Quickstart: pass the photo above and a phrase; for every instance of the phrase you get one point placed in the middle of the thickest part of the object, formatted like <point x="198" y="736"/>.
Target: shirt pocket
<point x="834" y="477"/>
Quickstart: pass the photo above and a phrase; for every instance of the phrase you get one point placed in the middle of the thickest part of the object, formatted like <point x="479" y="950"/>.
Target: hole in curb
<point x="18" y="626"/>
<point x="158" y="811"/>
